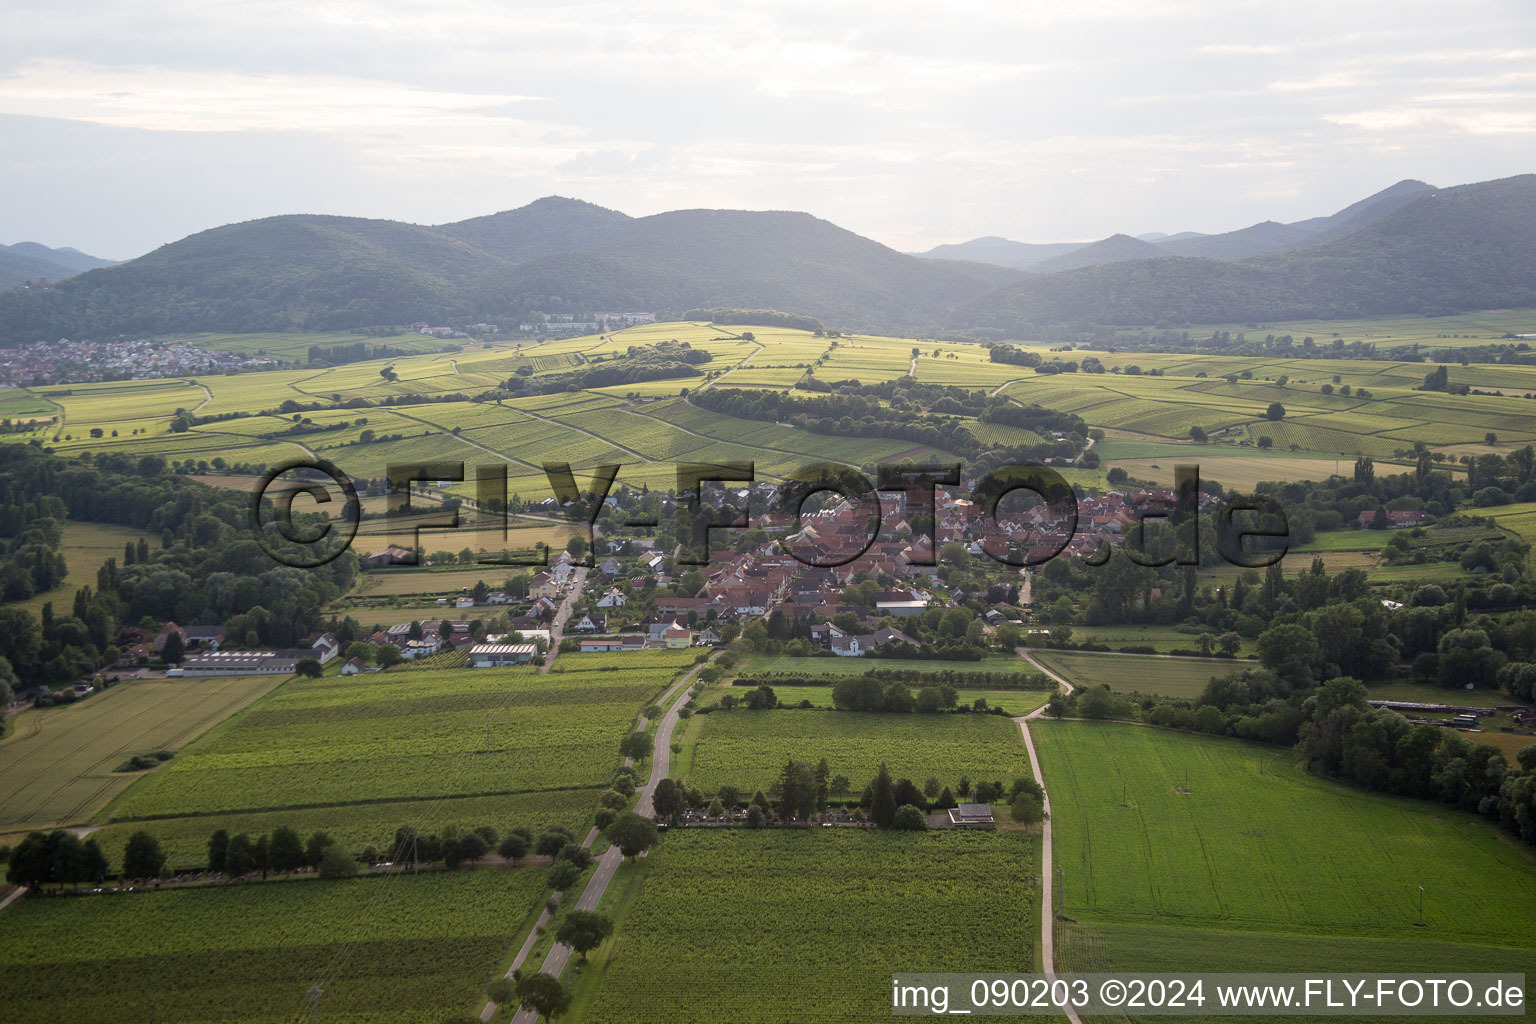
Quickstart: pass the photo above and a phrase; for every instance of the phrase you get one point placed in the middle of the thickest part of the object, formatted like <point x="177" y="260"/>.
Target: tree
<point x="142" y="857"/>
<point x="337" y="863"/>
<point x="906" y="792"/>
<point x="636" y="745"/>
<point x="667" y="800"/>
<point x="562" y="875"/>
<point x="543" y="994"/>
<point x="513" y="847"/>
<point x="469" y="847"/>
<point x="1197" y="435"/>
<point x="239" y="858"/>
<point x="314" y="849"/>
<point x="1026" y="808"/>
<point x="1275" y="412"/>
<point x="218" y="846"/>
<point x="92" y="865"/>
<point x="551" y="841"/>
<point x="31" y="862"/>
<point x="286" y="850"/>
<point x="310" y="668"/>
<point x="909" y="818"/>
<point x="174" y="650"/>
<point x="882" y="807"/>
<point x="632" y="834"/>
<point x="584" y="930"/>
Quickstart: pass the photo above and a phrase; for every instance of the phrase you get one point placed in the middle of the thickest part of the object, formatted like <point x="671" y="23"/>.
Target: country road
<point x="608" y="863"/>
<point x="1047" y="890"/>
<point x="562" y="615"/>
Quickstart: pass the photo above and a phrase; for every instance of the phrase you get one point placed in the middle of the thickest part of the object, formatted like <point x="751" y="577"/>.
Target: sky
<point x="127" y="125"/>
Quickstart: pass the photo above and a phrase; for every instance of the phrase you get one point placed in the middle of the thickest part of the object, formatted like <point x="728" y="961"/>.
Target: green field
<point x="747" y="749"/>
<point x="1017" y="702"/>
<point x="1161" y="638"/>
<point x="798" y="925"/>
<point x="1163" y="677"/>
<point x="59" y="766"/>
<point x="1207" y="853"/>
<point x="384" y="950"/>
<point x="86" y="548"/>
<point x="412" y="735"/>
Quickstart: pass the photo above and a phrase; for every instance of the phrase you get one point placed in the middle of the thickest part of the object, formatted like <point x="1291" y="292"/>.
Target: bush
<point x="337" y="863"/>
<point x="909" y="819"/>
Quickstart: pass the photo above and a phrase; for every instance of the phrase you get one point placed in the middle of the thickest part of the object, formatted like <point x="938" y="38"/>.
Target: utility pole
<point x="1421" y="906"/>
<point x="314" y="1003"/>
<point x="414" y="855"/>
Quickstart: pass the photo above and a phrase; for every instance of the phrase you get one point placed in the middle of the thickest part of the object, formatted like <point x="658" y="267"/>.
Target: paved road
<point x="563" y="613"/>
<point x="1047" y="892"/>
<point x="16" y="894"/>
<point x="608" y="863"/>
<point x="1210" y="658"/>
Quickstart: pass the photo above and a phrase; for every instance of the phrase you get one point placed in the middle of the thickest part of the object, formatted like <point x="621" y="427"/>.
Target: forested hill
<point x="1465" y="248"/>
<point x="29" y="261"/>
<point x="555" y="255"/>
<point x="1408" y="249"/>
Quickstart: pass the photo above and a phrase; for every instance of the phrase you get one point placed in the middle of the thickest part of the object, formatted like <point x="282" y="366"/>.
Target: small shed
<point x="972" y="816"/>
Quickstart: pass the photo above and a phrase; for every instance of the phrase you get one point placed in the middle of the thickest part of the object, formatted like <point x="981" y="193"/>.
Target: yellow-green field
<point x="648" y="427"/>
<point x="58" y="766"/>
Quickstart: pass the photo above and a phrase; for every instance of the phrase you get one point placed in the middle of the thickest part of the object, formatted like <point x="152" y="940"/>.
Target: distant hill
<point x="1114" y="249"/>
<point x="554" y="255"/>
<point x="1407" y="249"/>
<point x="1003" y="252"/>
<point x="1433" y="252"/>
<point x="31" y="261"/>
<point x="1256" y="240"/>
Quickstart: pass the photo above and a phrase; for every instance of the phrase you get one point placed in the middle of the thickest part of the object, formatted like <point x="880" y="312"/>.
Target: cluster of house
<point x="70" y="362"/>
<point x="1391" y="518"/>
<point x="804" y="570"/>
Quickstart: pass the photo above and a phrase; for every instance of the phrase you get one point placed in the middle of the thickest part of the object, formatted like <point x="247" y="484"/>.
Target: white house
<point x="613" y="599"/>
<point x="326" y="647"/>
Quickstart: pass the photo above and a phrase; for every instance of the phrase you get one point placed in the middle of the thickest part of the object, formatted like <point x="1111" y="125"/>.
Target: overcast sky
<point x="128" y="125"/>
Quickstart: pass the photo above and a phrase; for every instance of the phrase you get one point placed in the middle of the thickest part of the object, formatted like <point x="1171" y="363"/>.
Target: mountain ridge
<point x="1407" y="249"/>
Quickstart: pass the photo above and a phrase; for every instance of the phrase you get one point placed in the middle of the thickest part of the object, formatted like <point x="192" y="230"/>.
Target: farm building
<point x="595" y="646"/>
<point x="241" y="663"/>
<point x="500" y="655"/>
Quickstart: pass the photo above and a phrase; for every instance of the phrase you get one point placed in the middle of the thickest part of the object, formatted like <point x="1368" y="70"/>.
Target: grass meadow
<point x="1208" y="853"/>
<point x="1162" y="677"/>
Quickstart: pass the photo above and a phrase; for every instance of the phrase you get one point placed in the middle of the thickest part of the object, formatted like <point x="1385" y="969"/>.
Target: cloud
<point x="911" y="122"/>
